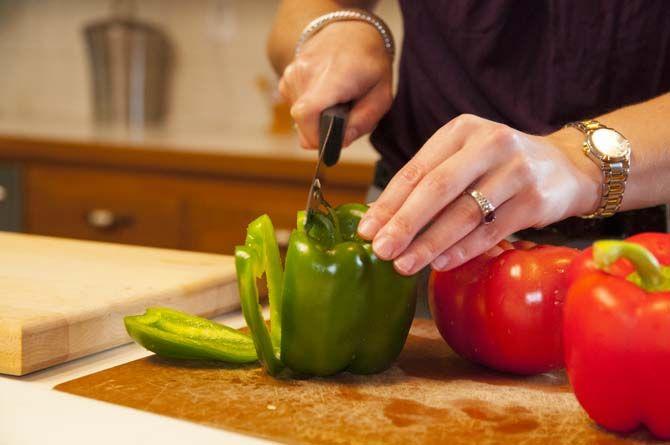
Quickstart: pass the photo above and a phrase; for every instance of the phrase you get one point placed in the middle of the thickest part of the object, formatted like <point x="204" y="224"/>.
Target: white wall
<point x="219" y="47"/>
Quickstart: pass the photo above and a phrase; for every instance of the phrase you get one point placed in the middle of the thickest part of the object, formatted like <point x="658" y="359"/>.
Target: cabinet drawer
<point x="101" y="205"/>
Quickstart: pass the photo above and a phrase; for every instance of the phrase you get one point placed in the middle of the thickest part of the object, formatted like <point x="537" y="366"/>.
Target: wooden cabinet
<point x="167" y="207"/>
<point x="102" y="205"/>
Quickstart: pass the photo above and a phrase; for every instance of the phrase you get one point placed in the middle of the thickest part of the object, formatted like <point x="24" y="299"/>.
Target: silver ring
<point x="488" y="210"/>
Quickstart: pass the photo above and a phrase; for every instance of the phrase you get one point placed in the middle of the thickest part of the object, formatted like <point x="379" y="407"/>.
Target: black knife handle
<point x="338" y="114"/>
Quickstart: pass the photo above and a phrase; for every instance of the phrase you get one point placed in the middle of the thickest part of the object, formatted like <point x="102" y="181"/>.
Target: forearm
<point x="292" y="16"/>
<point x="647" y="126"/>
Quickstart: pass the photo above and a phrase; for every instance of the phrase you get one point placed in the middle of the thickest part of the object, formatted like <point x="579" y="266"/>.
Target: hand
<point x="532" y="180"/>
<point x="345" y="61"/>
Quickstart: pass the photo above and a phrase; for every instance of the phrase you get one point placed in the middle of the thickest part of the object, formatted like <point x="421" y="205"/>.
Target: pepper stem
<point x="607" y="252"/>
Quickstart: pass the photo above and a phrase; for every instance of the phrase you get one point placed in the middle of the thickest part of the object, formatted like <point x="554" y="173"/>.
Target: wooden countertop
<point x="30" y="397"/>
<point x="180" y="151"/>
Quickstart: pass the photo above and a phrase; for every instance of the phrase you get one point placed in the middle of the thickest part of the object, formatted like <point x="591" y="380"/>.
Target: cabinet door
<point x="194" y="212"/>
<point x="102" y="205"/>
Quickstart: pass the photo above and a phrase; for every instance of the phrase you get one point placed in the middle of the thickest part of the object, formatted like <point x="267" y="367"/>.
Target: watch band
<point x="615" y="174"/>
<point x="348" y="15"/>
<point x="586" y="126"/>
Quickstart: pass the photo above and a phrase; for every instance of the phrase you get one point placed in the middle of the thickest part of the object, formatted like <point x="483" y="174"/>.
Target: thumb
<point x="367" y="111"/>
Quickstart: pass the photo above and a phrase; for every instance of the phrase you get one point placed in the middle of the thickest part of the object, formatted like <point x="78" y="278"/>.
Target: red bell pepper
<point x="617" y="333"/>
<point x="505" y="311"/>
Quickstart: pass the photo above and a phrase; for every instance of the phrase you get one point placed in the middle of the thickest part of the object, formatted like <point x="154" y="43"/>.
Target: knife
<point x="332" y="124"/>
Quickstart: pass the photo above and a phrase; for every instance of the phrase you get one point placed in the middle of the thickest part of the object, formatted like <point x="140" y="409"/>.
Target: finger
<point x="438" y="148"/>
<point x="307" y="109"/>
<point x="285" y="90"/>
<point x="302" y="139"/>
<point x="366" y="112"/>
<point x="455" y="222"/>
<point x="511" y="217"/>
<point x="439" y="188"/>
<point x="292" y="82"/>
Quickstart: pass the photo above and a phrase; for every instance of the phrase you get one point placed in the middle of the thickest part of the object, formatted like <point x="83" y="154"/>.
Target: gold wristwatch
<point x="610" y="150"/>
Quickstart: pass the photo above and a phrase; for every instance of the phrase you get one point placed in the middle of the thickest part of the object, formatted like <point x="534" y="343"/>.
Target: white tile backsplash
<point x="219" y="49"/>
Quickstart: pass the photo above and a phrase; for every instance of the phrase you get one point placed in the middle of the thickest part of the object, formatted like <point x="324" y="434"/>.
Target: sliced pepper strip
<point x="261" y="238"/>
<point x="260" y="255"/>
<point x="175" y="334"/>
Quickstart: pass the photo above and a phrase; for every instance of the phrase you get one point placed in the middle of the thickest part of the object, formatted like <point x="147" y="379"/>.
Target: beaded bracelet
<point x="348" y="15"/>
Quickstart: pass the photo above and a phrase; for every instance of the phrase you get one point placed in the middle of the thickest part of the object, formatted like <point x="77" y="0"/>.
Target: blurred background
<point x="152" y="122"/>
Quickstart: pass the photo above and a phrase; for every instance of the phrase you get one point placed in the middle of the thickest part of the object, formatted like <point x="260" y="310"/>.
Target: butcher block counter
<point x="32" y="412"/>
<point x="166" y="187"/>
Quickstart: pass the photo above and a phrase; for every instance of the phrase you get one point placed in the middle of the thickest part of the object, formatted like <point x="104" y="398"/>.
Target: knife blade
<point x="332" y="124"/>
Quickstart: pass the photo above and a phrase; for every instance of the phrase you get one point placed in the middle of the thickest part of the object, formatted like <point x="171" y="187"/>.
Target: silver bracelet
<point x="320" y="22"/>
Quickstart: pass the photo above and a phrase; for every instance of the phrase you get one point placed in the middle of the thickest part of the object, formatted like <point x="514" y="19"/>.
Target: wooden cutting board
<point x="62" y="299"/>
<point x="430" y="396"/>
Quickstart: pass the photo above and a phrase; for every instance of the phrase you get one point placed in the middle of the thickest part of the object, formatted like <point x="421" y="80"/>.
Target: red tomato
<point x="505" y="312"/>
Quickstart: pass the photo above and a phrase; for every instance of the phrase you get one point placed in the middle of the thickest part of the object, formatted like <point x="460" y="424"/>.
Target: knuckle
<point x="288" y="73"/>
<point x="464" y="121"/>
<point x="301" y="110"/>
<point x="301" y="66"/>
<point x="429" y="248"/>
<point x="381" y="211"/>
<point x="490" y="235"/>
<point x="535" y="196"/>
<point x="523" y="168"/>
<point x="283" y="89"/>
<point x="468" y="210"/>
<point x="401" y="226"/>
<point x="435" y="183"/>
<point x="467" y="118"/>
<point x="412" y="173"/>
<point x="503" y="136"/>
<point x="459" y="253"/>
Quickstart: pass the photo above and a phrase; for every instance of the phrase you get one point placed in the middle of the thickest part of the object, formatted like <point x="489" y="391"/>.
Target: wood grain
<point x="174" y="211"/>
<point x="429" y="397"/>
<point x="62" y="299"/>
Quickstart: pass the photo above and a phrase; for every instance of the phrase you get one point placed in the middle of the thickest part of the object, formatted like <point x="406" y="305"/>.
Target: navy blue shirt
<point x="531" y="64"/>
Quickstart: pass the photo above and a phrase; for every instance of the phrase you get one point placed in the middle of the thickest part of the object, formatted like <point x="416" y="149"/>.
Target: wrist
<point x="588" y="176"/>
<point x="347" y="33"/>
<point x="349" y="15"/>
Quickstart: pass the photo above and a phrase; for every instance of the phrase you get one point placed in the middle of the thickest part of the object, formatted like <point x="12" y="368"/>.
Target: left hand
<point x="532" y="181"/>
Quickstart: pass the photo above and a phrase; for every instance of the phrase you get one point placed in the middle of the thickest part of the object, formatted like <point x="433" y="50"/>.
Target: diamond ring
<point x="488" y="210"/>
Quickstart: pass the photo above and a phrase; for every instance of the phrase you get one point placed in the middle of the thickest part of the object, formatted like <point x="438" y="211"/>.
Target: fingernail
<point x="368" y="227"/>
<point x="383" y="247"/>
<point x="405" y="263"/>
<point x="441" y="262"/>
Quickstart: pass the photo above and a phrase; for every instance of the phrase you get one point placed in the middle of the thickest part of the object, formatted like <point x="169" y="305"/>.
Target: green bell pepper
<point x="343" y="307"/>
<point x="335" y="307"/>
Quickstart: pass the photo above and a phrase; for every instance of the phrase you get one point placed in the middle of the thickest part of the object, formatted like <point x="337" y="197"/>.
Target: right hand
<point x="343" y="62"/>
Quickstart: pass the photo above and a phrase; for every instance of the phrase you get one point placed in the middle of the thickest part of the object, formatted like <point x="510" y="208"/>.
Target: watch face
<point x="610" y="144"/>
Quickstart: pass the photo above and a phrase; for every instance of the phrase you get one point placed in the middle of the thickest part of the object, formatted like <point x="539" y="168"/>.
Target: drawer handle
<point x="283" y="236"/>
<point x="105" y="219"/>
<point x="3" y="193"/>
